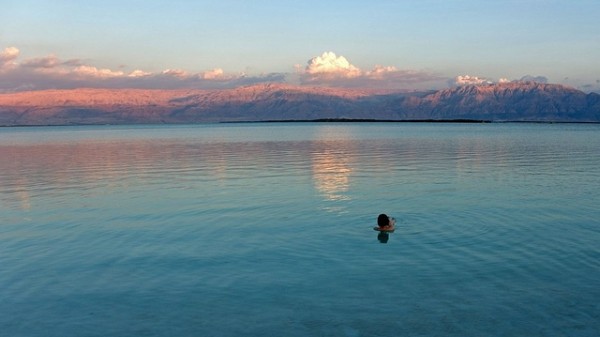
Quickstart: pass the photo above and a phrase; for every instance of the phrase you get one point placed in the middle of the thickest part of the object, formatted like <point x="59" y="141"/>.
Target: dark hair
<point x="383" y="220"/>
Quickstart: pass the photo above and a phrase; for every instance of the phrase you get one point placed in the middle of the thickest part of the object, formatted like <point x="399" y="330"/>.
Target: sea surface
<point x="267" y="230"/>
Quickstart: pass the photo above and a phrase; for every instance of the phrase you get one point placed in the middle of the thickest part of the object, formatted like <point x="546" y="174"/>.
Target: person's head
<point x="383" y="220"/>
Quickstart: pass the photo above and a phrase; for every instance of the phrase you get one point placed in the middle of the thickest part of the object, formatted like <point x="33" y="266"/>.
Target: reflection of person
<point x="385" y="223"/>
<point x="383" y="237"/>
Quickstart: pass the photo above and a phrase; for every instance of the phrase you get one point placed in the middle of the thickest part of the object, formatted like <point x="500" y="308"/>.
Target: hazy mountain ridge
<point x="515" y="101"/>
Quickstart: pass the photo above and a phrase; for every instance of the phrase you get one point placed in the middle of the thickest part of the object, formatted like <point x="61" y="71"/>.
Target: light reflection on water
<point x="331" y="172"/>
<point x="263" y="229"/>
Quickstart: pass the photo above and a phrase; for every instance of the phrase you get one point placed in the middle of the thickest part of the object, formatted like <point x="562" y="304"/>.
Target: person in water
<point x="385" y="223"/>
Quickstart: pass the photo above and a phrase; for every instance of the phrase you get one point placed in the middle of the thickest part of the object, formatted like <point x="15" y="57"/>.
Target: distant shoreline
<point x="319" y="120"/>
<point x="362" y="120"/>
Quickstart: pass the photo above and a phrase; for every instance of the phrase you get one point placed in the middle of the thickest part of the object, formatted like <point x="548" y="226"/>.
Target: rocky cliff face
<point x="523" y="101"/>
<point x="528" y="101"/>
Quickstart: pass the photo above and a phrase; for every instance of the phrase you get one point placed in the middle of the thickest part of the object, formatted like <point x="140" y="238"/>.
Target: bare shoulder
<point x="389" y="228"/>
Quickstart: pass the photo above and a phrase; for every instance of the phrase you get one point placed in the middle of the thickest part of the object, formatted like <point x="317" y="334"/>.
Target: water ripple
<point x="207" y="230"/>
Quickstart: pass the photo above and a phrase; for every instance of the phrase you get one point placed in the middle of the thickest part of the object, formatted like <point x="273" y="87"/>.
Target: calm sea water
<point x="266" y="230"/>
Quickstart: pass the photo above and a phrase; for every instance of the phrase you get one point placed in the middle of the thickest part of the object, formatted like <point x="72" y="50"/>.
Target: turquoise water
<point x="266" y="230"/>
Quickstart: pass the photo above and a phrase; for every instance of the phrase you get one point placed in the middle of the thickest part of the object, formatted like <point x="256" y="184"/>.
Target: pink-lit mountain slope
<point x="516" y="101"/>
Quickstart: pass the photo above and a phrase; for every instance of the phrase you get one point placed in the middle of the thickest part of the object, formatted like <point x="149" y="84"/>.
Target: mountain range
<point x="513" y="101"/>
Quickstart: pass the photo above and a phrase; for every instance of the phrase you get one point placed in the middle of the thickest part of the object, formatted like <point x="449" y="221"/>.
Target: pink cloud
<point x="50" y="72"/>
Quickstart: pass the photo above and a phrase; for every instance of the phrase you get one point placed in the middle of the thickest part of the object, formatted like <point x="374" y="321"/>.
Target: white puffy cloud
<point x="139" y="73"/>
<point x="504" y="80"/>
<point x="216" y="73"/>
<point x="335" y="70"/>
<point x="470" y="80"/>
<point x="330" y="64"/>
<point x="175" y="73"/>
<point x="97" y="73"/>
<point x="7" y="56"/>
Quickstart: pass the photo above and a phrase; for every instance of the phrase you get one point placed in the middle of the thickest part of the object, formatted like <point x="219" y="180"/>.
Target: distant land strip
<point x="365" y="120"/>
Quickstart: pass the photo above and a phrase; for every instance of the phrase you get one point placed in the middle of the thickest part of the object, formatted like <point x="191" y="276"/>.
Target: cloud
<point x="7" y="56"/>
<point x="529" y="78"/>
<point x="475" y="80"/>
<point x="139" y="73"/>
<point x="469" y="80"/>
<point x="591" y="87"/>
<point x="330" y="69"/>
<point x="50" y="72"/>
<point x="175" y="73"/>
<point x="327" y="69"/>
<point x="216" y="73"/>
<point x="93" y="72"/>
<point x="329" y="64"/>
<point x="380" y="72"/>
<point x="49" y="61"/>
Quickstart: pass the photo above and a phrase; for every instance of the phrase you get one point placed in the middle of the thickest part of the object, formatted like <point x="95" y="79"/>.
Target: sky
<point x="407" y="45"/>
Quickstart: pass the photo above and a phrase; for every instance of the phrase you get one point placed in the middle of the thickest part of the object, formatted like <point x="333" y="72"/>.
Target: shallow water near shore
<point x="267" y="229"/>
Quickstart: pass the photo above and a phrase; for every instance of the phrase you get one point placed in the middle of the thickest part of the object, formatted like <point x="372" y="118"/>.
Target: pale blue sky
<point x="492" y="39"/>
